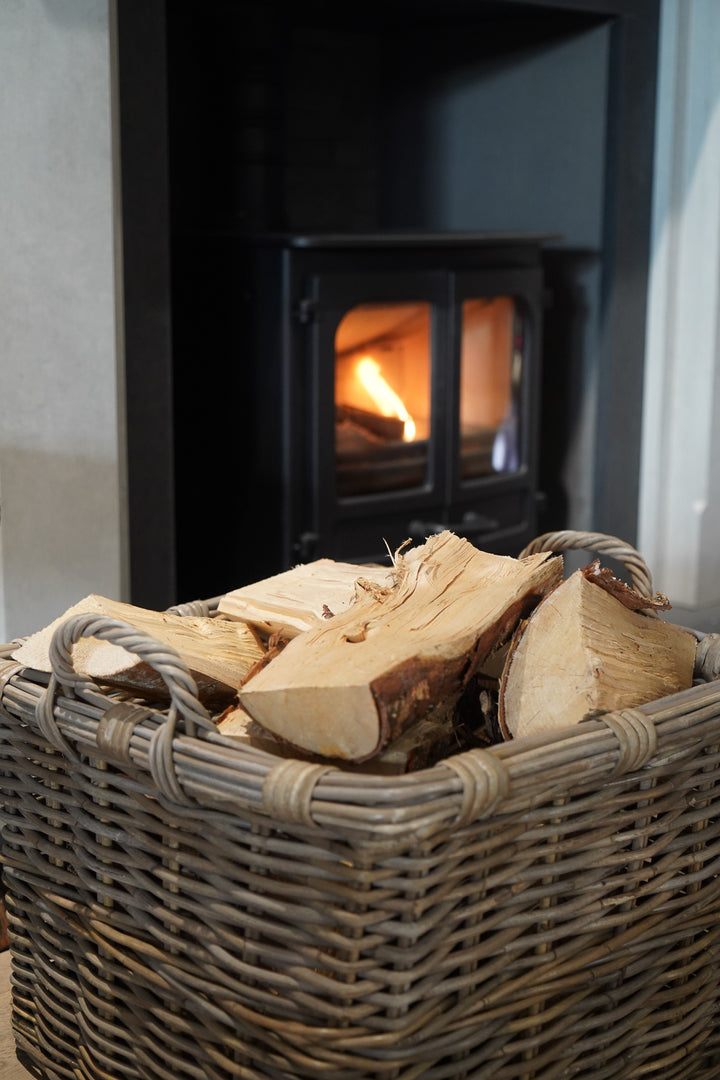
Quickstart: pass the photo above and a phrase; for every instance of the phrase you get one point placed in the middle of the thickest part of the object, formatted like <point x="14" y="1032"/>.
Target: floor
<point x="10" y="1068"/>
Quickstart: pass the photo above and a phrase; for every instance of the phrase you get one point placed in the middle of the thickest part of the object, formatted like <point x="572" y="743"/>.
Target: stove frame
<point x="297" y="289"/>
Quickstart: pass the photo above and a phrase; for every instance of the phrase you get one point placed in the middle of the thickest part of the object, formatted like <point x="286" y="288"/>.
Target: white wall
<point x="62" y="529"/>
<point x="679" y="528"/>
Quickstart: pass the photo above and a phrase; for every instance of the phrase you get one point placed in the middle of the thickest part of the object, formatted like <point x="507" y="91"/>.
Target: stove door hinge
<point x="306" y="310"/>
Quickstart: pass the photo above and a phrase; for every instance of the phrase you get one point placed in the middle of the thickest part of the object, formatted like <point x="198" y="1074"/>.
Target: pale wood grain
<point x="302" y="598"/>
<point x="396" y="654"/>
<point x="219" y="653"/>
<point x="584" y="652"/>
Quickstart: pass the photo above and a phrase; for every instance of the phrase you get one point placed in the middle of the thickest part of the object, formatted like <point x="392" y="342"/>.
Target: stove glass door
<point x="491" y="357"/>
<point x="382" y="397"/>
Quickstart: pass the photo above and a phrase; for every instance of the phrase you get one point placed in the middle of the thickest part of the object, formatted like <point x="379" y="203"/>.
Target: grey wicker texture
<point x="184" y="907"/>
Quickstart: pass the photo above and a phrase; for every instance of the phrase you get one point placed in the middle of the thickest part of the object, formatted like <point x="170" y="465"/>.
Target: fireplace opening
<point x="507" y="116"/>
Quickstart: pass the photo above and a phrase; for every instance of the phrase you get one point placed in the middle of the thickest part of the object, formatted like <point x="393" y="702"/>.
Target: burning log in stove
<point x="370" y="426"/>
<point x="372" y="455"/>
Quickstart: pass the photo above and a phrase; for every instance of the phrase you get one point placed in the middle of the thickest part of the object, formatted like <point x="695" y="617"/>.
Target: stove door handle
<point x="472" y="525"/>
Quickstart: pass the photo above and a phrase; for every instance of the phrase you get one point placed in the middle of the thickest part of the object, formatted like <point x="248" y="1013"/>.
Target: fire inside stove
<point x="384" y="401"/>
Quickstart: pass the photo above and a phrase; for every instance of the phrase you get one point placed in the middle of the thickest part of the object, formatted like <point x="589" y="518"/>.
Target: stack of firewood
<point x="391" y="669"/>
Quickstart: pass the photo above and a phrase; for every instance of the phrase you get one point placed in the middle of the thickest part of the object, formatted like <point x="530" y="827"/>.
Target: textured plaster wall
<point x="61" y="474"/>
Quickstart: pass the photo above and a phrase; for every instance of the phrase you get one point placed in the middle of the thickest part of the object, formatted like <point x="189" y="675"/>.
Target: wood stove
<point x="388" y="388"/>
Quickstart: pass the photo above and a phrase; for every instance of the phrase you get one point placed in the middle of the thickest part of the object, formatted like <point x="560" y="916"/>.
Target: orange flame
<point x="387" y="401"/>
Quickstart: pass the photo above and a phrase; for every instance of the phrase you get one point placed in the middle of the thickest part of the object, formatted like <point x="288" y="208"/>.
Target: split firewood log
<point x="400" y="652"/>
<point x="218" y="652"/>
<point x="303" y="598"/>
<point x="424" y="743"/>
<point x="588" y="649"/>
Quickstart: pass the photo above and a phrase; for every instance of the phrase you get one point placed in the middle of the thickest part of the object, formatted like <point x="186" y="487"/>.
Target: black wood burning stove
<point x="397" y="392"/>
<point x="388" y="388"/>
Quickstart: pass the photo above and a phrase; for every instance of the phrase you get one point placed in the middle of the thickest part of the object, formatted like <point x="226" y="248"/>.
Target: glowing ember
<point x="386" y="400"/>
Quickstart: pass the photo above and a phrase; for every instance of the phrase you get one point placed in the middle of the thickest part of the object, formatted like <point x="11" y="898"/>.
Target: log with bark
<point x="588" y="649"/>
<point x="400" y="652"/>
<point x="218" y="652"/>
<point x="423" y="744"/>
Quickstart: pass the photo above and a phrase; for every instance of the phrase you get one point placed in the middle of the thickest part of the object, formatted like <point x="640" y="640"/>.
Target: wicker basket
<point x="184" y="907"/>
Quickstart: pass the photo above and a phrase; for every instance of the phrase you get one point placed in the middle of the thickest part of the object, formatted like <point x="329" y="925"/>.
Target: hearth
<point x="389" y="389"/>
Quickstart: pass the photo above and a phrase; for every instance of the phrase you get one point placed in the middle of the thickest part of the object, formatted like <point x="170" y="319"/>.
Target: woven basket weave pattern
<point x="185" y="907"/>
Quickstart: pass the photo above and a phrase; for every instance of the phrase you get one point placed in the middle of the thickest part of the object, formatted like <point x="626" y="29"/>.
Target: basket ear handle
<point x="165" y="660"/>
<point x="118" y="722"/>
<point x="569" y="539"/>
<point x="707" y="658"/>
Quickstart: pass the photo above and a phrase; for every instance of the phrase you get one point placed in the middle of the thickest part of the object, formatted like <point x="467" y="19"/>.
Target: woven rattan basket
<point x="184" y="907"/>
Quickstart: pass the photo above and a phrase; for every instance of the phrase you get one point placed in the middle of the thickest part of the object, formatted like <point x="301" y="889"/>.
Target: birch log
<point x="585" y="651"/>
<point x="218" y="652"/>
<point x="398" y="653"/>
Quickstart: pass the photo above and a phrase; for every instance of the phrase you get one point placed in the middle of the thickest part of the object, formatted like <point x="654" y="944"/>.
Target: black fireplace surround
<point x="275" y="162"/>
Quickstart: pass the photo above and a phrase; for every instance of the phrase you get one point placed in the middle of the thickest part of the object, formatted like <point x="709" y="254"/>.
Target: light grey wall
<point x="680" y="475"/>
<point x="61" y="471"/>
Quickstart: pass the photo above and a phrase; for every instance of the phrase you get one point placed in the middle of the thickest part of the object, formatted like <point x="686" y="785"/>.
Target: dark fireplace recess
<point x="392" y="391"/>
<point x="486" y="123"/>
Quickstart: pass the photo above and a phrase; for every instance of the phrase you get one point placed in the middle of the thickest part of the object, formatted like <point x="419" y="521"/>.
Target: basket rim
<point x="215" y="771"/>
<point x="192" y="763"/>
